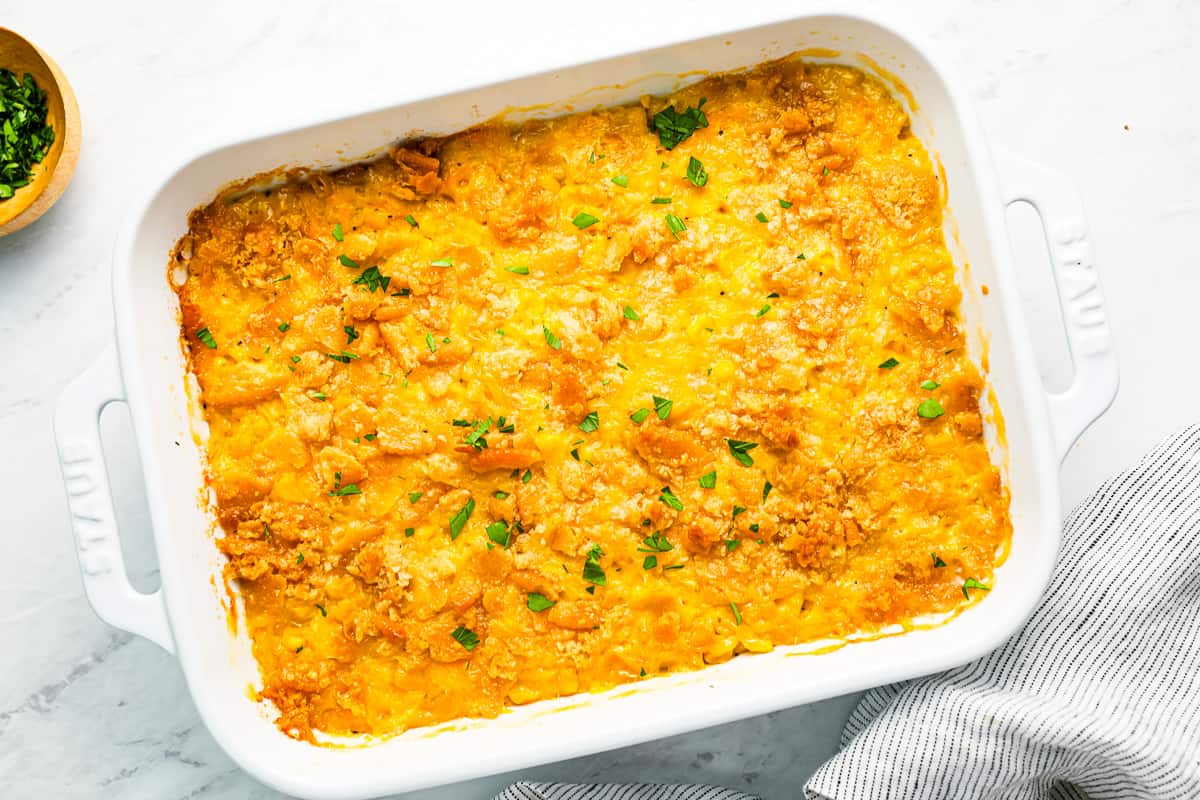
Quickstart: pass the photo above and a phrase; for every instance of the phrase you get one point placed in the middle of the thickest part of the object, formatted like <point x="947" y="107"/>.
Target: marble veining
<point x="1104" y="91"/>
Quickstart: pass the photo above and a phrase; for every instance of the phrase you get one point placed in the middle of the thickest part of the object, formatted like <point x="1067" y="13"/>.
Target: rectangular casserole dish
<point x="147" y="370"/>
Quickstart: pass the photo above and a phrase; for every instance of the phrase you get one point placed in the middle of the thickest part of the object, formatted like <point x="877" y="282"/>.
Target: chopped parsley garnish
<point x="343" y="356"/>
<point x="761" y="217"/>
<point x="767" y="487"/>
<point x="459" y="520"/>
<point x="930" y="409"/>
<point x="661" y="201"/>
<point x="668" y="497"/>
<point x="662" y="406"/>
<point x="891" y="363"/>
<point x="732" y="544"/>
<point x="351" y="333"/>
<point x="621" y="180"/>
<point x="339" y="490"/>
<point x="520" y="269"/>
<point x="929" y="386"/>
<point x="321" y="608"/>
<point x="410" y="532"/>
<point x="695" y="172"/>
<point x="538" y="603"/>
<point x="442" y="262"/>
<point x="287" y="277"/>
<point x="584" y="220"/>
<point x="592" y="571"/>
<point x="284" y="327"/>
<point x="300" y="558"/>
<point x="784" y="203"/>
<point x="640" y="415"/>
<point x="317" y="395"/>
<point x="551" y="339"/>
<point x="476" y="437"/>
<point x="205" y="336"/>
<point x="500" y="533"/>
<point x="824" y="170"/>
<point x="762" y="312"/>
<point x="673" y="566"/>
<point x="708" y="480"/>
<point x="413" y="497"/>
<point x="631" y="314"/>
<point x="937" y="561"/>
<point x="295" y="359"/>
<point x="656" y="543"/>
<point x="737" y="615"/>
<point x="337" y="232"/>
<point x="410" y="219"/>
<point x="468" y="638"/>
<point x="674" y="126"/>
<point x="373" y="279"/>
<point x="741" y="451"/>
<point x="370" y="437"/>
<point x="27" y="136"/>
<point x="504" y="426"/>
<point x="738" y="511"/>
<point x="430" y="343"/>
<point x="347" y="261"/>
<point x="590" y="423"/>
<point x="461" y="423"/>
<point x="622" y="366"/>
<point x="500" y="494"/>
<point x="971" y="583"/>
<point x="527" y="477"/>
<point x="649" y="562"/>
<point x="676" y="225"/>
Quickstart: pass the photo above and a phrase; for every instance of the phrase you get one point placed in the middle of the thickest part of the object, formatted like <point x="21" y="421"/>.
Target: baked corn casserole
<point x="544" y="408"/>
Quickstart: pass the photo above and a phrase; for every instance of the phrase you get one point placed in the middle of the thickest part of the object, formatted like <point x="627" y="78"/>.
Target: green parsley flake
<point x="732" y="544"/>
<point x="738" y="511"/>
<point x="891" y="363"/>
<point x="321" y="608"/>
<point x="784" y="203"/>
<point x="337" y="232"/>
<point x="930" y="409"/>
<point x="500" y="494"/>
<point x="656" y="543"/>
<point x="929" y="386"/>
<point x="413" y="497"/>
<point x="761" y="217"/>
<point x="500" y="533"/>
<point x="662" y="406"/>
<point x="520" y="269"/>
<point x="538" y="603"/>
<point x="674" y="127"/>
<point x="708" y="480"/>
<point x="430" y="343"/>
<point x="676" y="225"/>
<point x="410" y="219"/>
<point x="442" y="262"/>
<point x="649" y="562"/>
<point x="584" y="220"/>
<point x="741" y="451"/>
<point x="284" y="327"/>
<point x="737" y="615"/>
<point x="640" y="415"/>
<point x="661" y="201"/>
<point x="971" y="583"/>
<point x="590" y="423"/>
<point x="410" y="532"/>
<point x="631" y="314"/>
<point x="373" y="279"/>
<point x="668" y="497"/>
<point x="347" y="261"/>
<point x="459" y="520"/>
<point x="767" y="487"/>
<point x="287" y="277"/>
<point x="466" y="637"/>
<point x="696" y="173"/>
<point x="621" y="180"/>
<point x="205" y="336"/>
<point x="762" y="312"/>
<point x="552" y="340"/>
<point x="937" y="561"/>
<point x="592" y="571"/>
<point x="527" y="477"/>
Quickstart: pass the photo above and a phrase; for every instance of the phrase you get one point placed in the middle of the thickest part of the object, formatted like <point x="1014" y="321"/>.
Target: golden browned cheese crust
<point x="391" y="345"/>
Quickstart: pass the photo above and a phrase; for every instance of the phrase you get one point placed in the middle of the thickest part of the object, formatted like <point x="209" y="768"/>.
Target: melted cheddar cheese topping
<point x="545" y="408"/>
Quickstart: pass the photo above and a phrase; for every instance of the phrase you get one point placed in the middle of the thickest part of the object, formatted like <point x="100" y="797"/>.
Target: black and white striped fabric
<point x="1097" y="697"/>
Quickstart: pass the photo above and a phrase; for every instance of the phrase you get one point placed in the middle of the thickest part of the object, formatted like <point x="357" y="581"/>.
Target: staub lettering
<point x="92" y="527"/>
<point x="1080" y="286"/>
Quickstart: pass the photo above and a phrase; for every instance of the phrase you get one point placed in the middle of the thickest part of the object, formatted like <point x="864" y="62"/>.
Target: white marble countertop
<point x="1105" y="91"/>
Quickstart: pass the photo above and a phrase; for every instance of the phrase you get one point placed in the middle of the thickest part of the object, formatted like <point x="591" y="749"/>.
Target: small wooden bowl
<point x="52" y="175"/>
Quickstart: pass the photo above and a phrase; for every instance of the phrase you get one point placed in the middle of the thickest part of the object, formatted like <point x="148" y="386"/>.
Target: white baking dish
<point x="147" y="370"/>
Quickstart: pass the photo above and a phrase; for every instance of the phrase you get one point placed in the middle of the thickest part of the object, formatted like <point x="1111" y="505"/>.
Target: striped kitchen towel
<point x="1098" y="696"/>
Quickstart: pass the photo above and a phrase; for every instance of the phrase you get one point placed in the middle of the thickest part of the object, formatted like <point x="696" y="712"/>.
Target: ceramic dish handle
<point x="1095" y="383"/>
<point x="77" y="433"/>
